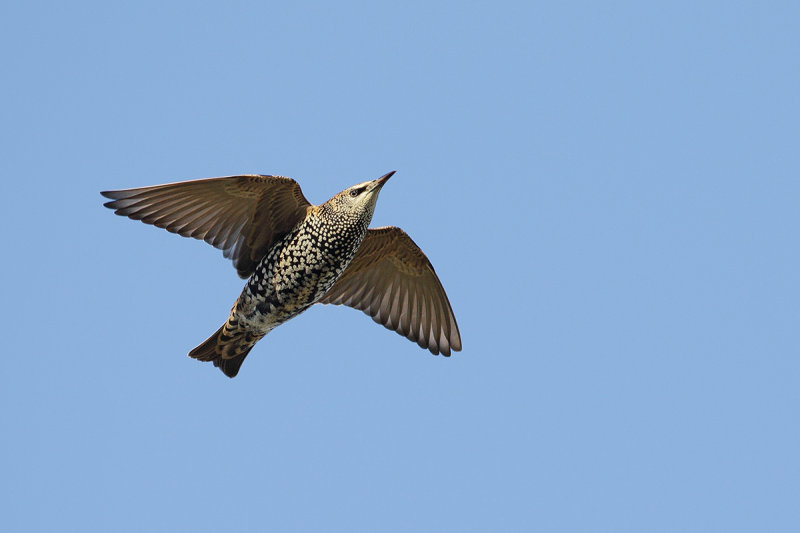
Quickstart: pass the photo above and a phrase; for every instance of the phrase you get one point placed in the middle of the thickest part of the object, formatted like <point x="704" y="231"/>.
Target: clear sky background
<point x="608" y="191"/>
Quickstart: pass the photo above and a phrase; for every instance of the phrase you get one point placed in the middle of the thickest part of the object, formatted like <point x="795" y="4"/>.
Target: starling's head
<point x="359" y="200"/>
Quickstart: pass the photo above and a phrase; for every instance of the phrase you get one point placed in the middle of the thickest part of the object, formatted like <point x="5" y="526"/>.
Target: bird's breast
<point x="297" y="271"/>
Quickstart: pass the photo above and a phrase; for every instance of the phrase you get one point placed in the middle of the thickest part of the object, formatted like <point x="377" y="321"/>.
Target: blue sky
<point x="609" y="193"/>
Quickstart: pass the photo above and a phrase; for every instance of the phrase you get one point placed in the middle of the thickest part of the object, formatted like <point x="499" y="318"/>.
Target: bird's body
<point x="294" y="255"/>
<point x="296" y="272"/>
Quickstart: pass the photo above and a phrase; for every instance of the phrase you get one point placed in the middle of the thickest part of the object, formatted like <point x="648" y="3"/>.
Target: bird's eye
<point x="356" y="192"/>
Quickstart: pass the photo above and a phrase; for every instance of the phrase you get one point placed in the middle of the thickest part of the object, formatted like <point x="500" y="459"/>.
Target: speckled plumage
<point x="296" y="254"/>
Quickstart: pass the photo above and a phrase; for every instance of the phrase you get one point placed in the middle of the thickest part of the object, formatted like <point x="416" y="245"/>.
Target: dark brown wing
<point x="241" y="215"/>
<point x="392" y="281"/>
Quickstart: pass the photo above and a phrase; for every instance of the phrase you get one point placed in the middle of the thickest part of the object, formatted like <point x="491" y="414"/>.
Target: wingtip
<point x="455" y="343"/>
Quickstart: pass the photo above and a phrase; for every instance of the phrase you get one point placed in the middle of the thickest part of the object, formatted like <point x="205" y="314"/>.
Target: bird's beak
<point x="378" y="183"/>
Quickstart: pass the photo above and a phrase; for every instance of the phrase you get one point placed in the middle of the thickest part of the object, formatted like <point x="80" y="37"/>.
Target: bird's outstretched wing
<point x="391" y="280"/>
<point x="241" y="215"/>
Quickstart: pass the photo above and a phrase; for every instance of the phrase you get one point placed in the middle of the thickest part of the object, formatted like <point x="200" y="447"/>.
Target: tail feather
<point x="207" y="351"/>
<point x="227" y="347"/>
<point x="230" y="367"/>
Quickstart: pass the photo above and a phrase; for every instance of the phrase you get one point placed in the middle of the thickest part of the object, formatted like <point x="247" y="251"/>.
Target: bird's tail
<point x="227" y="348"/>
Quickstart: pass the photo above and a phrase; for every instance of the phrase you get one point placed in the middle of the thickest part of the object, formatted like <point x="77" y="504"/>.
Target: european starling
<point x="295" y="254"/>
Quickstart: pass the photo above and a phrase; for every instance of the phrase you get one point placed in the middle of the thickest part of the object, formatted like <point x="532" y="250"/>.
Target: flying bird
<point x="295" y="254"/>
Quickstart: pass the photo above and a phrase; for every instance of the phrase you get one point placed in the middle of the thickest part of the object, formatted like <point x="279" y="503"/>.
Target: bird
<point x="294" y="254"/>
